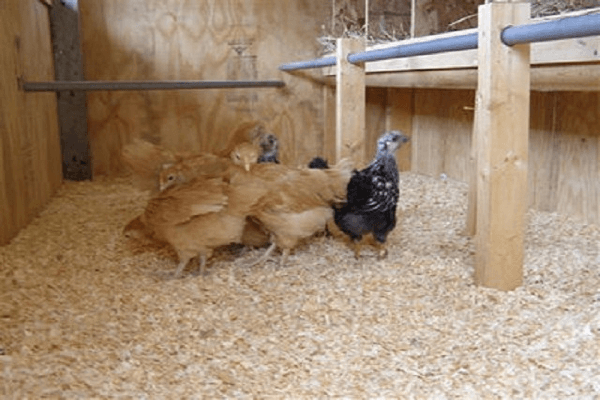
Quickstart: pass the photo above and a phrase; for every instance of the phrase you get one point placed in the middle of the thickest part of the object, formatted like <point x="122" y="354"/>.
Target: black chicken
<point x="318" y="163"/>
<point x="372" y="196"/>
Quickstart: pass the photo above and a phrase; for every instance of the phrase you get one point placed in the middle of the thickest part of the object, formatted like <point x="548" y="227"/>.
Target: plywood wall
<point x="564" y="153"/>
<point x="204" y="39"/>
<point x="30" y="158"/>
<point x="442" y="123"/>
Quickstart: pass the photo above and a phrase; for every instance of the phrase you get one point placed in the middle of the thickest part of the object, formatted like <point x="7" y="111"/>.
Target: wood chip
<point x="88" y="313"/>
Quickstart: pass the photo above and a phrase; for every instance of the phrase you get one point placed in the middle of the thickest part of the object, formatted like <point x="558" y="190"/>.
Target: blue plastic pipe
<point x="454" y="43"/>
<point x="316" y="63"/>
<point x="565" y="28"/>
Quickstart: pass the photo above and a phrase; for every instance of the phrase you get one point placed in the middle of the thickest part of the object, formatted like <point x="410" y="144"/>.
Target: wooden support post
<point x="471" y="223"/>
<point x="350" y="103"/>
<point x="329" y="139"/>
<point x="502" y="147"/>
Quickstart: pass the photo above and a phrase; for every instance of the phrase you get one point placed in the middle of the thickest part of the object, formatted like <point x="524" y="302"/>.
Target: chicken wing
<point x="372" y="196"/>
<point x="298" y="203"/>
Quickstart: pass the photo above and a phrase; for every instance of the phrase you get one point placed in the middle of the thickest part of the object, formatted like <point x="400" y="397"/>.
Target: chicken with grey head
<point x="269" y="145"/>
<point x="372" y="196"/>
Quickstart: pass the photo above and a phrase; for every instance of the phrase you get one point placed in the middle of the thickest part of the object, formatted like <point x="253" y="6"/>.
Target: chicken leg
<point x="202" y="264"/>
<point x="356" y="247"/>
<point x="265" y="256"/>
<point x="284" y="255"/>
<point x="181" y="266"/>
<point x="381" y="250"/>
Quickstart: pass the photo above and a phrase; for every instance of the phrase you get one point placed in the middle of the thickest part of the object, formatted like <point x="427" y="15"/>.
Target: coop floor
<point x="85" y="312"/>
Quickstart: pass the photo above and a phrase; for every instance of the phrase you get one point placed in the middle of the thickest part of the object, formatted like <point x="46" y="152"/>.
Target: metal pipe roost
<point x="58" y="86"/>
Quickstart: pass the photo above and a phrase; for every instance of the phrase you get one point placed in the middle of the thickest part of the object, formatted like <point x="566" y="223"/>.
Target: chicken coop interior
<point x="486" y="283"/>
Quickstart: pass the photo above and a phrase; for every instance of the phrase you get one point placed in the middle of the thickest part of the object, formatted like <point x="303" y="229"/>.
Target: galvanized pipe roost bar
<point x="58" y="86"/>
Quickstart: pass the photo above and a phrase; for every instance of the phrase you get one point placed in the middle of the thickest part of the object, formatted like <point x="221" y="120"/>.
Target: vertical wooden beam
<point x="413" y="17"/>
<point x="329" y="139"/>
<point x="471" y="223"/>
<point x="366" y="18"/>
<point x="502" y="147"/>
<point x="399" y="112"/>
<point x="72" y="113"/>
<point x="350" y="103"/>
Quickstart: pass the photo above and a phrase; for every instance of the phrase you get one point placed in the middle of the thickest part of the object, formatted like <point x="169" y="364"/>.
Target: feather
<point x="372" y="195"/>
<point x="298" y="202"/>
<point x="318" y="163"/>
<point x="145" y="160"/>
<point x="208" y="166"/>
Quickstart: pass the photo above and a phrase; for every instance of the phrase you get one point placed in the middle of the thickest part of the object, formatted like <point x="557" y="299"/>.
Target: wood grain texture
<point x="399" y="111"/>
<point x="389" y="109"/>
<point x="375" y="119"/>
<point x="205" y="39"/>
<point x="329" y="122"/>
<point x="578" y="184"/>
<point x="350" y="102"/>
<point x="30" y="157"/>
<point x="560" y="124"/>
<point x="502" y="149"/>
<point x="441" y="125"/>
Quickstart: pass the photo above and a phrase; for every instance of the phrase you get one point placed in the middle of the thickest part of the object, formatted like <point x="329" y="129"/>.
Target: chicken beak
<point x="247" y="166"/>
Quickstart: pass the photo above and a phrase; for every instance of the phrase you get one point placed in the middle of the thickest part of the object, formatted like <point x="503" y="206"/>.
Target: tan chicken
<point x="290" y="204"/>
<point x="145" y="160"/>
<point x="196" y="217"/>
<point x="208" y="165"/>
<point x="249" y="132"/>
<point x="298" y="203"/>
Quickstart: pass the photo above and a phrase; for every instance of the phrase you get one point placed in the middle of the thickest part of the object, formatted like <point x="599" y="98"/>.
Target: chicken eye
<point x="170" y="178"/>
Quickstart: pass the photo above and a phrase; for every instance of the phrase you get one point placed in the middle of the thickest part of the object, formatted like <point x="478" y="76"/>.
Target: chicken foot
<point x="265" y="256"/>
<point x="382" y="251"/>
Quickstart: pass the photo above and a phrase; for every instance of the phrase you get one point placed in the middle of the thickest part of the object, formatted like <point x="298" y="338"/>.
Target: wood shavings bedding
<point x="85" y="312"/>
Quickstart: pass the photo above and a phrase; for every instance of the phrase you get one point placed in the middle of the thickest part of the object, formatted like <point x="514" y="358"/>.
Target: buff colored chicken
<point x="298" y="203"/>
<point x="208" y="165"/>
<point x="255" y="133"/>
<point x="250" y="143"/>
<point x="196" y="217"/>
<point x="145" y="160"/>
